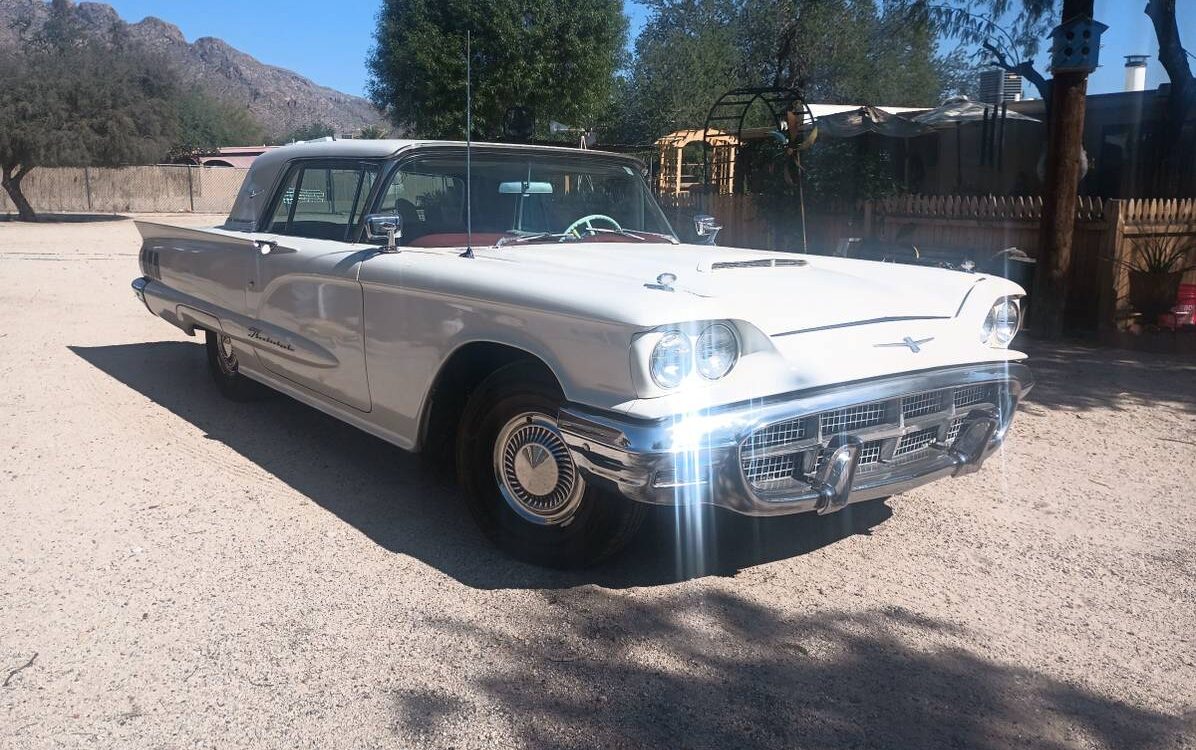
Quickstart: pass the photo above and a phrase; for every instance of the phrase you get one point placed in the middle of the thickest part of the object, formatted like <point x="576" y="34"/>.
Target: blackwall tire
<point x="222" y="363"/>
<point x="520" y="481"/>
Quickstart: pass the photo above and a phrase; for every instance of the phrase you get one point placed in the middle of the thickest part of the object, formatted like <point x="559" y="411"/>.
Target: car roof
<point x="267" y="169"/>
<point x="382" y="148"/>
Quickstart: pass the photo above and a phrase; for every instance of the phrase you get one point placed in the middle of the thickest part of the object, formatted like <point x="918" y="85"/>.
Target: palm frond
<point x="1161" y="254"/>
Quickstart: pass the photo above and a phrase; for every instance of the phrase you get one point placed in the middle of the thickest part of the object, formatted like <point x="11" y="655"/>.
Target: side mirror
<point x="706" y="227"/>
<point x="385" y="227"/>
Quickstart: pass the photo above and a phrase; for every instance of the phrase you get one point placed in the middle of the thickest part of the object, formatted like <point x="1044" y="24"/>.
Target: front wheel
<point x="522" y="485"/>
<point x="226" y="371"/>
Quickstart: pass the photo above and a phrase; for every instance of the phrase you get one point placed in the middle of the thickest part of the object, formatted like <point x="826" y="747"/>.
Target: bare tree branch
<point x="1025" y="69"/>
<point x="1172" y="54"/>
<point x="1171" y="178"/>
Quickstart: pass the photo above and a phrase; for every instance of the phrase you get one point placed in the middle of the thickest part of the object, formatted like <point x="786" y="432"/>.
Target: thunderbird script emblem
<point x="915" y="345"/>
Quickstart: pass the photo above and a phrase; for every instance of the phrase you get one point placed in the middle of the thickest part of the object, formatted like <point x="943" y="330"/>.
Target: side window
<point x="428" y="197"/>
<point x="323" y="201"/>
<point x="282" y="209"/>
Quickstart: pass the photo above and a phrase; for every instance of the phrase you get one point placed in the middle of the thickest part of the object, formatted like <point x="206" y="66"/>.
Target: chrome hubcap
<point x="226" y="356"/>
<point x="535" y="471"/>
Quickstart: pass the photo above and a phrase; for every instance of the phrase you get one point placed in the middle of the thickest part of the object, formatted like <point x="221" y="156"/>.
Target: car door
<point x="305" y="296"/>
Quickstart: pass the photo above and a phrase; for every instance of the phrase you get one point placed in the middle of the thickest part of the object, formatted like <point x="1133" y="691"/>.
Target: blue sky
<point x="328" y="42"/>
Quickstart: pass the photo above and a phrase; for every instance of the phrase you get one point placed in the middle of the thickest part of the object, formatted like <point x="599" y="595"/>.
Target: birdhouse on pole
<point x="1075" y="45"/>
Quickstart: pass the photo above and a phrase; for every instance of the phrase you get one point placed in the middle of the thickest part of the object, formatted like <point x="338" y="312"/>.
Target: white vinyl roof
<point x="267" y="169"/>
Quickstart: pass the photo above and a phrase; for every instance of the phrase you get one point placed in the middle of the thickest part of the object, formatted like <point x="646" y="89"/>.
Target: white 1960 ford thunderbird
<point x="580" y="362"/>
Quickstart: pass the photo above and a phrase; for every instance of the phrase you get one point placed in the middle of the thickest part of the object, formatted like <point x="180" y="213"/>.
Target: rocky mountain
<point x="281" y="100"/>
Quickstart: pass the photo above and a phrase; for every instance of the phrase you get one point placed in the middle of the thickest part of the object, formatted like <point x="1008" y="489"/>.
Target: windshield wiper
<point x="637" y="236"/>
<point x="563" y="236"/>
<point x="532" y="237"/>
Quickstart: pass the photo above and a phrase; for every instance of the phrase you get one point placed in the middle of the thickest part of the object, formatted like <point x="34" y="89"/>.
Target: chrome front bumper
<point x="701" y="457"/>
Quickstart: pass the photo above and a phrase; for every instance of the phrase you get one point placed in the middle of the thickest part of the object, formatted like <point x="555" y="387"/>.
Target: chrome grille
<point x="921" y="403"/>
<point x="916" y="441"/>
<point x="800" y="443"/>
<point x="760" y="470"/>
<point x="953" y="429"/>
<point x="778" y="434"/>
<point x="973" y="394"/>
<point x="851" y="418"/>
<point x="870" y="453"/>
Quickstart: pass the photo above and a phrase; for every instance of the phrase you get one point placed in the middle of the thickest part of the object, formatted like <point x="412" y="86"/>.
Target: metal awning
<point x="963" y="110"/>
<point x="869" y="119"/>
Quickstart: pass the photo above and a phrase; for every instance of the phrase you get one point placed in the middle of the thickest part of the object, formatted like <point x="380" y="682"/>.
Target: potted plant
<point x="1155" y="274"/>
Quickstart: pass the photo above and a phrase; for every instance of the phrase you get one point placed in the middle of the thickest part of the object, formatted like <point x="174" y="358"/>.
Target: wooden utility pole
<point x="1065" y="141"/>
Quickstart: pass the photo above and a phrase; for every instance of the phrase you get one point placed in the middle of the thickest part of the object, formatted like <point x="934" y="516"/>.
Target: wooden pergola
<point x="670" y="178"/>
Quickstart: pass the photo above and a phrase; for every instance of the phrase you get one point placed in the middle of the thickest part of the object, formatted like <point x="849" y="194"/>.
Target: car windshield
<point x="523" y="198"/>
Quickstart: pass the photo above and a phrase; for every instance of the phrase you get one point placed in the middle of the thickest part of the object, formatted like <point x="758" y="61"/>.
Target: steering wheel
<point x="587" y="222"/>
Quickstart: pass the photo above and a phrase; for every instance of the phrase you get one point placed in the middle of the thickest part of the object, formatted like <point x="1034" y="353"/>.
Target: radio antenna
<point x="468" y="148"/>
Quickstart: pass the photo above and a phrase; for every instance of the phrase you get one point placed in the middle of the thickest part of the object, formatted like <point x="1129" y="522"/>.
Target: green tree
<point x="850" y="51"/>
<point x="555" y="57"/>
<point x="841" y="51"/>
<point x="76" y="100"/>
<point x="686" y="56"/>
<point x="207" y="124"/>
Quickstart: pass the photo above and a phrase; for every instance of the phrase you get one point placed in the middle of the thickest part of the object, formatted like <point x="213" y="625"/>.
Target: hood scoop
<point x="727" y="265"/>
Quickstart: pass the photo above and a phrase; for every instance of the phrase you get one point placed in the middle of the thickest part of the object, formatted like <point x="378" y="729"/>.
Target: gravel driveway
<point x="177" y="570"/>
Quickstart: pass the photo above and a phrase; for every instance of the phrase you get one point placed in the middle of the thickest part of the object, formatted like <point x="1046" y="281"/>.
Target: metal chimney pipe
<point x="1135" y="72"/>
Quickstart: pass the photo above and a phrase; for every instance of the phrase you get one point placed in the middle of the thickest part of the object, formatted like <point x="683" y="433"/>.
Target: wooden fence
<point x="986" y="225"/>
<point x="160" y="188"/>
<point x="1128" y="224"/>
<point x="1108" y="233"/>
<point x="745" y="225"/>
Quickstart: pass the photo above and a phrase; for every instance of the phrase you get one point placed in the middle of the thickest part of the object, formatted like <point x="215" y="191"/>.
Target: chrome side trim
<point x="854" y="323"/>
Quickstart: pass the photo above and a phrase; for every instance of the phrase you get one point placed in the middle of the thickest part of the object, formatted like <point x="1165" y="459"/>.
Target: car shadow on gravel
<point x="712" y="669"/>
<point x="407" y="506"/>
<point x="1077" y="377"/>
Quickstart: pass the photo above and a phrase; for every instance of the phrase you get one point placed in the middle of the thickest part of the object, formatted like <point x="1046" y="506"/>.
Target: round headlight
<point x="671" y="360"/>
<point x="1003" y="322"/>
<point x="986" y="330"/>
<point x="718" y="350"/>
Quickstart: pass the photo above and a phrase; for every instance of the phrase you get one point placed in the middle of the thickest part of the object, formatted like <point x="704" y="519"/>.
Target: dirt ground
<point x="177" y="570"/>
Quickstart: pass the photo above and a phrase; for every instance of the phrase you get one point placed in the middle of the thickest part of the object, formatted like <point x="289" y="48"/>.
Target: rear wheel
<point x="522" y="485"/>
<point x="225" y="369"/>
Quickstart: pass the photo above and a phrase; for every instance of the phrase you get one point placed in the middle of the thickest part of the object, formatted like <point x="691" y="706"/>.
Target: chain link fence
<point x="163" y="188"/>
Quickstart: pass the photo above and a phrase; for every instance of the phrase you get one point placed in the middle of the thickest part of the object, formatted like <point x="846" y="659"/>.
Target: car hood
<point x="777" y="292"/>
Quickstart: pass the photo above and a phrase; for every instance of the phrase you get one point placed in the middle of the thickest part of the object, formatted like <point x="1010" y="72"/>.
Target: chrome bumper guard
<point x="139" y="285"/>
<point x="824" y="448"/>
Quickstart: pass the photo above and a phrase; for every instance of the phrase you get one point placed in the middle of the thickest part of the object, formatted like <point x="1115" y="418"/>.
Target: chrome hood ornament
<point x="915" y="345"/>
<point x="664" y="282"/>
